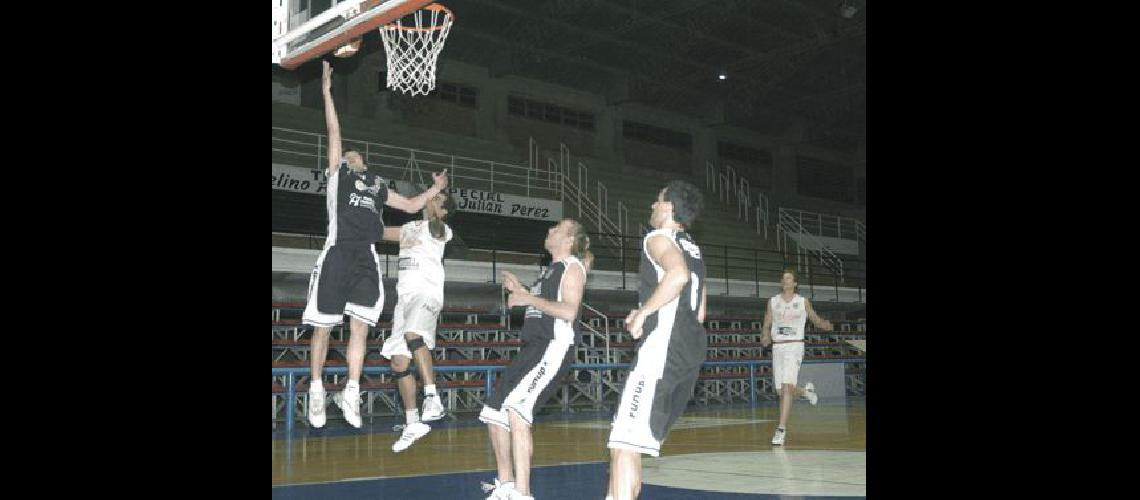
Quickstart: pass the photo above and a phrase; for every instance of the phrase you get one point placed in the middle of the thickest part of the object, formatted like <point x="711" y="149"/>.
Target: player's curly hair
<point x="687" y="202"/>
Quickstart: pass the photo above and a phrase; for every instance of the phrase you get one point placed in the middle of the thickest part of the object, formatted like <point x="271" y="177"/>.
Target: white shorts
<point x="786" y="359"/>
<point x="414" y="313"/>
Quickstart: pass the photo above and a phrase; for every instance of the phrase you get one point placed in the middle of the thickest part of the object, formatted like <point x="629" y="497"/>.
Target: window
<point x="553" y="114"/>
<point x="460" y="94"/>
<point x="550" y="113"/>
<point x="318" y="6"/>
<point x="569" y="118"/>
<point x="657" y="135"/>
<point x="467" y="96"/>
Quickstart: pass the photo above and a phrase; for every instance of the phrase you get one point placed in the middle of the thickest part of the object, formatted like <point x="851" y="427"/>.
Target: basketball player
<point x="346" y="278"/>
<point x="548" y="333"/>
<point x="672" y="307"/>
<point x="789" y="312"/>
<point x="420" y="289"/>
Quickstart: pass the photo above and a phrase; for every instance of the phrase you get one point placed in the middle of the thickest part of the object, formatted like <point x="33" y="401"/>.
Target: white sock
<point x="317" y="386"/>
<point x="352" y="384"/>
<point x="413" y="416"/>
<point x="429" y="390"/>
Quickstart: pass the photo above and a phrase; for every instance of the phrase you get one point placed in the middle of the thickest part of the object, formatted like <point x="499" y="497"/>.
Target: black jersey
<point x="355" y="203"/>
<point x="680" y="315"/>
<point x="539" y="325"/>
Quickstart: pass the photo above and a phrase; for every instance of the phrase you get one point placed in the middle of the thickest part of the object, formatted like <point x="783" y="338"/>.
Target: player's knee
<point x="415" y="342"/>
<point x="516" y="420"/>
<point x="400" y="363"/>
<point x="356" y="325"/>
<point x="398" y="371"/>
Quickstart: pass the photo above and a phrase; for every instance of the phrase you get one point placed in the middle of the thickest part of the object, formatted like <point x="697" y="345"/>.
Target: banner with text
<point x="299" y="179"/>
<point x="313" y="181"/>
<point x="507" y="205"/>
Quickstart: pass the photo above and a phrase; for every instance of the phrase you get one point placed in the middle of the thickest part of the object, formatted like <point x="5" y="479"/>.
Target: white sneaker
<point x="433" y="409"/>
<point x="778" y="438"/>
<point x="499" y="491"/>
<point x="411" y="433"/>
<point x="489" y="487"/>
<point x="316" y="406"/>
<point x="809" y="392"/>
<point x="349" y="402"/>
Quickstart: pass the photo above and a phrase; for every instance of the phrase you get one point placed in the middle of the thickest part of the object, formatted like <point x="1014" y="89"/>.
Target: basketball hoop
<point x="413" y="49"/>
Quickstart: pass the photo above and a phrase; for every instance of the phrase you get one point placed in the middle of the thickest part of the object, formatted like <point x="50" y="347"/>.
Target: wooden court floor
<point x="726" y="449"/>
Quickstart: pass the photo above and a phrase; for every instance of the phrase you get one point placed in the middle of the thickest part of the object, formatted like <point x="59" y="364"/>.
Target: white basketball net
<point x="413" y="50"/>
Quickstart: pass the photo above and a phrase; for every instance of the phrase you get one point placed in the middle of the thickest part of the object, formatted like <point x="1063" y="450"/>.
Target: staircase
<point x="731" y="188"/>
<point x="805" y="243"/>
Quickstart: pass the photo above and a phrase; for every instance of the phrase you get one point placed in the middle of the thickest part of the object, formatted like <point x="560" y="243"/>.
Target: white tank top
<point x="421" y="258"/>
<point x="788" y="318"/>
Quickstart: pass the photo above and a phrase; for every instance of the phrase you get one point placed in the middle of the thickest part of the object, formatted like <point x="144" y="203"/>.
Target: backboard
<point x="299" y="36"/>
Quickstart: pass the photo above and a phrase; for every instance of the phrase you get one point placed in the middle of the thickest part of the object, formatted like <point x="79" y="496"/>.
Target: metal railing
<point x="552" y="179"/>
<point x="588" y="210"/>
<point x="296" y="147"/>
<point x="789" y="225"/>
<point x="604" y="333"/>
<point x="291" y="374"/>
<point x="575" y="190"/>
<point x="827" y="225"/>
<point x="727" y="264"/>
<point x="723" y="263"/>
<point x="731" y="187"/>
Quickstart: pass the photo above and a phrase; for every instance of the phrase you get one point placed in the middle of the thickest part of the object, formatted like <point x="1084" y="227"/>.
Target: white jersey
<point x="788" y="318"/>
<point x="421" y="258"/>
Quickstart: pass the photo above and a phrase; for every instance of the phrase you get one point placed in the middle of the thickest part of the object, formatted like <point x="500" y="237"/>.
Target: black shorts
<point x="529" y="381"/>
<point x="345" y="280"/>
<point x="658" y="388"/>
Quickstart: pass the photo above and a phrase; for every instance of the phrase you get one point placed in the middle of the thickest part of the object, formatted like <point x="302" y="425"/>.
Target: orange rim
<point x="434" y="7"/>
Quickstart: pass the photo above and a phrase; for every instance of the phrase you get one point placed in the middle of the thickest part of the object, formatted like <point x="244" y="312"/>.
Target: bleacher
<point x="474" y="344"/>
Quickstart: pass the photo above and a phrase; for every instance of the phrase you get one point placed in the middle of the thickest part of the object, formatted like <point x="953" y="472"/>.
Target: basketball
<point x="348" y="49"/>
